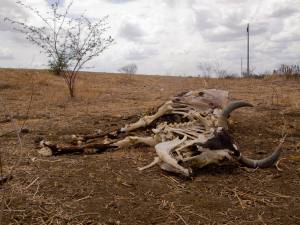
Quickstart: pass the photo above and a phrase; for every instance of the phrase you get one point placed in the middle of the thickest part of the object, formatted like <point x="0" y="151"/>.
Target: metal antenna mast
<point x="241" y="67"/>
<point x="248" y="70"/>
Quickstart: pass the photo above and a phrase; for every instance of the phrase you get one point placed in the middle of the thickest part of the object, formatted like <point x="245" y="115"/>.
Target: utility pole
<point x="241" y="67"/>
<point x="248" y="70"/>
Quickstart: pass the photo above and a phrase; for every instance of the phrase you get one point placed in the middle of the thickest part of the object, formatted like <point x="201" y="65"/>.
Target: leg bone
<point x="132" y="140"/>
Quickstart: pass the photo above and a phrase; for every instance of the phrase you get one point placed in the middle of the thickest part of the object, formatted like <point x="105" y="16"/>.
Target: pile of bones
<point x="189" y="131"/>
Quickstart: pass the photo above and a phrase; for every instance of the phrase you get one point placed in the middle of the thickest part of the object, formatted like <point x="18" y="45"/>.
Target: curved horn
<point x="222" y="120"/>
<point x="233" y="106"/>
<point x="265" y="162"/>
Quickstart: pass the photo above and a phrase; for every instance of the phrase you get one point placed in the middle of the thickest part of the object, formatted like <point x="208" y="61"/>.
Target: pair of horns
<point x="251" y="163"/>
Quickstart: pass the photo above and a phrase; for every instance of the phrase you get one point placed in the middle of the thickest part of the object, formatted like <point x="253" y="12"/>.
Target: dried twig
<point x="26" y="114"/>
<point x="279" y="195"/>
<point x="83" y="198"/>
<point x="240" y="200"/>
<point x="28" y="186"/>
<point x="18" y="131"/>
<point x="180" y="217"/>
<point x="84" y="214"/>
<point x="277" y="164"/>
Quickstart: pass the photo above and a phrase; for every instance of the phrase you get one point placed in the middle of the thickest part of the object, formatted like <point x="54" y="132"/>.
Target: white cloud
<point x="5" y="54"/>
<point x="171" y="36"/>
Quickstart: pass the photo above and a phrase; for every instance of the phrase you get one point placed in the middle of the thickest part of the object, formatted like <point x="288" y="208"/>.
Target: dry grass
<point x="108" y="189"/>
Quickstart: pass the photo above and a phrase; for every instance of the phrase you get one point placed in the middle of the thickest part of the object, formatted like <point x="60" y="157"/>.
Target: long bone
<point x="167" y="108"/>
<point x="147" y="120"/>
<point x="153" y="163"/>
<point x="132" y="140"/>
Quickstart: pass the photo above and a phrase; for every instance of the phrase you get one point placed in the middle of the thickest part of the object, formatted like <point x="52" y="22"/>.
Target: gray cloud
<point x="287" y="37"/>
<point x="9" y="9"/>
<point x="141" y="54"/>
<point x="284" y="12"/>
<point x="233" y="33"/>
<point x="4" y="25"/>
<point x="162" y="34"/>
<point x="50" y="2"/>
<point x="204" y="20"/>
<point x="131" y="32"/>
<point x="171" y="3"/>
<point x="119" y="1"/>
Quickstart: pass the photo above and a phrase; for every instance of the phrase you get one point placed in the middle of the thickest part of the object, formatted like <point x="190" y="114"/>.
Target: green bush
<point x="58" y="66"/>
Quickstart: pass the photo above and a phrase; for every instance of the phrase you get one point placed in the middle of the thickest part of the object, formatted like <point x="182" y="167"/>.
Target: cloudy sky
<point x="171" y="37"/>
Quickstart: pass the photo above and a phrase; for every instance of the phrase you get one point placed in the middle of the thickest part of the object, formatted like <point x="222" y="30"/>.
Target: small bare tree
<point x="70" y="42"/>
<point x="251" y="72"/>
<point x="205" y="68"/>
<point x="285" y="69"/>
<point x="129" y="69"/>
<point x="212" y="69"/>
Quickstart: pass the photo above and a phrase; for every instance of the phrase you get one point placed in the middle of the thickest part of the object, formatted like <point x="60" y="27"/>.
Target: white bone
<point x="169" y="168"/>
<point x="131" y="140"/>
<point x="163" y="151"/>
<point x="147" y="120"/>
<point x="154" y="162"/>
<point x="209" y="157"/>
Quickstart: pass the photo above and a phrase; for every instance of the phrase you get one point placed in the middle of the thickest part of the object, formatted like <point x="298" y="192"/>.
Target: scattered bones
<point x="188" y="131"/>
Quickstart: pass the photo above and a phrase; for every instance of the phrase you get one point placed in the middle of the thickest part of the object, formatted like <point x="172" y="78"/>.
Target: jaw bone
<point x="208" y="157"/>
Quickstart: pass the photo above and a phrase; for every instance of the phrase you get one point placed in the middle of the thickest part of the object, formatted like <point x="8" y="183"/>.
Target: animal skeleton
<point x="191" y="132"/>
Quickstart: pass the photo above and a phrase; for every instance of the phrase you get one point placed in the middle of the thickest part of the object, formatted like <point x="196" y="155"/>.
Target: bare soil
<point x="107" y="188"/>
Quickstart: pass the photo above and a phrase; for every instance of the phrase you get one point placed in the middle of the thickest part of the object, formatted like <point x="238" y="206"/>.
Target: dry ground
<point x="108" y="189"/>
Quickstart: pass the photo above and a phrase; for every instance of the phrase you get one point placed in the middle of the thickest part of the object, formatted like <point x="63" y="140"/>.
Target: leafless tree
<point x="205" y="68"/>
<point x="219" y="71"/>
<point x="69" y="42"/>
<point x="285" y="69"/>
<point x="212" y="69"/>
<point x="129" y="69"/>
<point x="251" y="72"/>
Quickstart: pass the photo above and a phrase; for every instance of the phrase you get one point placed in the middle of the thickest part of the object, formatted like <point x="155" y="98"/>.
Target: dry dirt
<point x="108" y="189"/>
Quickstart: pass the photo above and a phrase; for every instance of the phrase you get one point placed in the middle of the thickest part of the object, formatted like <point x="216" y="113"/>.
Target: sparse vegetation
<point x="129" y="69"/>
<point x="216" y="69"/>
<point x="58" y="65"/>
<point x="109" y="188"/>
<point x="251" y="72"/>
<point x="69" y="42"/>
<point x="205" y="68"/>
<point x="289" y="71"/>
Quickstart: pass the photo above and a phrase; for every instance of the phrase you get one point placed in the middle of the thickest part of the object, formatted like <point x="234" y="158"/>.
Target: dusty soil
<point x="108" y="189"/>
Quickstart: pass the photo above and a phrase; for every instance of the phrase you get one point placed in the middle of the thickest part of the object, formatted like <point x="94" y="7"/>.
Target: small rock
<point x="96" y="122"/>
<point x="98" y="131"/>
<point x="38" y="139"/>
<point x="45" y="151"/>
<point x="25" y="130"/>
